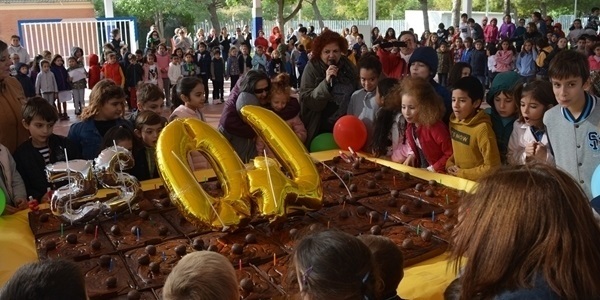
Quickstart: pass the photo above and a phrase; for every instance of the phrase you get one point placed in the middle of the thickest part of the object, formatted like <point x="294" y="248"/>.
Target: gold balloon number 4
<point x="262" y="189"/>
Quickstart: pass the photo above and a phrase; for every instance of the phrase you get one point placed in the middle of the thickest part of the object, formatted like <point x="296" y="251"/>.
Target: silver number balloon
<point x="109" y="166"/>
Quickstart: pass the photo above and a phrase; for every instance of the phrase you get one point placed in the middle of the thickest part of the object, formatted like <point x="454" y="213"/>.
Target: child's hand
<point x="541" y="152"/>
<point x="453" y="170"/>
<point x="530" y="149"/>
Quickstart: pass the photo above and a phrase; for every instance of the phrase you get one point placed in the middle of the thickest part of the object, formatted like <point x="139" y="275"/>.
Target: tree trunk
<point x="455" y="13"/>
<point x="214" y="18"/>
<point x="317" y="13"/>
<point x="425" y="14"/>
<point x="507" y="8"/>
<point x="160" y="24"/>
<point x="543" y="9"/>
<point x="281" y="20"/>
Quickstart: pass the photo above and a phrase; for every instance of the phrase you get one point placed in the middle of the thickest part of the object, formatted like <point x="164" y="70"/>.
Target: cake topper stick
<point x="336" y="174"/>
<point x="433" y="216"/>
<point x="240" y="264"/>
<point x="184" y="166"/>
<point x="121" y="172"/>
<point x="62" y="229"/>
<point x="269" y="176"/>
<point x="69" y="177"/>
<point x="385" y="215"/>
<point x="447" y="202"/>
<point x="96" y="233"/>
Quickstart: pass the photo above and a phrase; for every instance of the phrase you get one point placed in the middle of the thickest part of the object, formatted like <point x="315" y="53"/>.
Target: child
<point x="529" y="141"/>
<point x="457" y="49"/>
<point x="25" y="80"/>
<point x="112" y="70"/>
<point x="11" y="183"/>
<point x="14" y="59"/>
<point x="203" y="60"/>
<point x="279" y="98"/>
<point x="188" y="67"/>
<point x="275" y="65"/>
<point x="526" y="61"/>
<point x="478" y="62"/>
<point x="202" y="275"/>
<point x="389" y="259"/>
<point x="363" y="103"/>
<point x="77" y="76"/>
<point x="47" y="55"/>
<point x="188" y="102"/>
<point x="543" y="59"/>
<point x="233" y="68"/>
<point x="594" y="59"/>
<point x="302" y="61"/>
<point x="503" y="108"/>
<point x="467" y="50"/>
<point x="148" y="126"/>
<point x="77" y="53"/>
<point x="504" y="57"/>
<point x="572" y="126"/>
<point x="174" y="71"/>
<point x="52" y="279"/>
<point x="122" y="136"/>
<point x="491" y="51"/>
<point x="458" y="71"/>
<point x="426" y="133"/>
<point x="151" y="71"/>
<point x="444" y="63"/>
<point x="163" y="61"/>
<point x="107" y="103"/>
<point x="390" y="125"/>
<point x="94" y="71"/>
<point x="259" y="61"/>
<point x="134" y="75"/>
<point x="149" y="97"/>
<point x="35" y="68"/>
<point x="474" y="146"/>
<point x="42" y="148"/>
<point x="545" y="222"/>
<point x="62" y="83"/>
<point x="45" y="83"/>
<point x="245" y="60"/>
<point x="335" y="265"/>
<point x="217" y="73"/>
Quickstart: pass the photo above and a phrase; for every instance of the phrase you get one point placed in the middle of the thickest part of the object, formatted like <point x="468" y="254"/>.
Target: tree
<point x="317" y="12"/>
<point x="506" y="7"/>
<point x="281" y="19"/>
<point x="425" y="14"/>
<point x="455" y="12"/>
<point x="213" y="5"/>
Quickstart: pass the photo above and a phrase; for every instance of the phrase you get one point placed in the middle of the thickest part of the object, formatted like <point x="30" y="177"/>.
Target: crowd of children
<point x="542" y="113"/>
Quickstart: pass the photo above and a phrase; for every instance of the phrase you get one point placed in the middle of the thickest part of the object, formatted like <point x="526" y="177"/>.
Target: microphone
<point x="331" y="62"/>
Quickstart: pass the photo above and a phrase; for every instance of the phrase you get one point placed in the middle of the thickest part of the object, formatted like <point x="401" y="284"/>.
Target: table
<point x="426" y="280"/>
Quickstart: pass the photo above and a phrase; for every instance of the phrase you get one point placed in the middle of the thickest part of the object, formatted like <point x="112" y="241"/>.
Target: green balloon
<point x="322" y="142"/>
<point x="2" y="201"/>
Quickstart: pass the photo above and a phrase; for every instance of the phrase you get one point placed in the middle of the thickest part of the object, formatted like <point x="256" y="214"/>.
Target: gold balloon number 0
<point x="262" y="189"/>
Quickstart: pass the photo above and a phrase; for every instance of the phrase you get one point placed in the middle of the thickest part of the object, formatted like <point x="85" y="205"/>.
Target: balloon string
<point x="120" y="174"/>
<point x="269" y="176"/>
<point x="332" y="171"/>
<point x="192" y="174"/>
<point x="70" y="194"/>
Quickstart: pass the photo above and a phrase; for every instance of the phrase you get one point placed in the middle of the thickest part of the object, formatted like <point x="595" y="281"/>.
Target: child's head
<point x="139" y="55"/>
<point x="458" y="71"/>
<point x="45" y="65"/>
<point x="491" y="49"/>
<point x="546" y="221"/>
<point x="233" y="51"/>
<point x="188" y="91"/>
<point x="444" y="46"/>
<point x="132" y="58"/>
<point x="51" y="279"/>
<point x="534" y="99"/>
<point x="468" y="42"/>
<point x="23" y="69"/>
<point x="47" y="55"/>
<point x="364" y="49"/>
<point x="111" y="58"/>
<point x="217" y="53"/>
<point x="150" y="97"/>
<point x="479" y="44"/>
<point x="500" y="95"/>
<point x="72" y="61"/>
<point x="423" y="63"/>
<point x="389" y="259"/>
<point x="505" y="45"/>
<point x="201" y="47"/>
<point x="162" y="48"/>
<point x="188" y="58"/>
<point x="15" y="58"/>
<point x="369" y="67"/>
<point x="175" y="59"/>
<point x="150" y="58"/>
<point x="39" y="117"/>
<point x="467" y="94"/>
<point x="148" y="126"/>
<point x="384" y="87"/>
<point x="107" y="102"/>
<point x="464" y="17"/>
<point x="280" y="91"/>
<point x="596" y="49"/>
<point x="568" y="72"/>
<point x="458" y="42"/>
<point x="527" y="46"/>
<point x="57" y="60"/>
<point x="120" y="135"/>
<point x="260" y="50"/>
<point x="202" y="275"/>
<point x="335" y="265"/>
<point x="420" y="103"/>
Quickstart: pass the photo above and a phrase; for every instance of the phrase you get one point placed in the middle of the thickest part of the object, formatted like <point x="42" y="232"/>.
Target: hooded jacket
<point x="45" y="82"/>
<point x="94" y="71"/>
<point x="80" y="62"/>
<point x="22" y="52"/>
<point x="474" y="146"/>
<point x="61" y="76"/>
<point x="434" y="141"/>
<point x="25" y="81"/>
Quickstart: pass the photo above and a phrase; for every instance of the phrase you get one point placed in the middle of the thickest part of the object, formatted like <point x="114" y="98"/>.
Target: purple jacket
<point x="507" y="30"/>
<point x="231" y="120"/>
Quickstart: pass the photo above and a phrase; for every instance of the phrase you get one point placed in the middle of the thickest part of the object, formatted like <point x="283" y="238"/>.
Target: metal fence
<point x="59" y="36"/>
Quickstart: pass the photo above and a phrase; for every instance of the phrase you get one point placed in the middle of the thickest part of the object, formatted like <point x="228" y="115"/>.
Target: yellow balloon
<point x="175" y="141"/>
<point x="304" y="189"/>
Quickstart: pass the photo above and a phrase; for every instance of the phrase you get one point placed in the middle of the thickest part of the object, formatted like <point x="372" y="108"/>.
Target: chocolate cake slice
<point x="349" y="218"/>
<point x="253" y="286"/>
<point x="289" y="232"/>
<point x="182" y="225"/>
<point x="441" y="225"/>
<point x="400" y="206"/>
<point x="106" y="277"/>
<point x="281" y="273"/>
<point x="416" y="247"/>
<point x="132" y="230"/>
<point x="43" y="221"/>
<point x="435" y="193"/>
<point x="340" y="166"/>
<point x="78" y="243"/>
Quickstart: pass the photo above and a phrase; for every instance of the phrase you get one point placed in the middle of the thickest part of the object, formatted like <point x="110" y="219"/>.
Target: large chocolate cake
<point x="129" y="255"/>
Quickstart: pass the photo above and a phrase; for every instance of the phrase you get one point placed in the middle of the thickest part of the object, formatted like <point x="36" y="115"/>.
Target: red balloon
<point x="350" y="131"/>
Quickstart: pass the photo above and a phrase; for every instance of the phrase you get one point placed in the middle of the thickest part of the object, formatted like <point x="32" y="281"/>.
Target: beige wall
<point x="12" y="13"/>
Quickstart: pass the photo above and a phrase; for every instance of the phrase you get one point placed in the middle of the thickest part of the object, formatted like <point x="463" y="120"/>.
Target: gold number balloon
<point x="74" y="202"/>
<point x="175" y="141"/>
<point x="264" y="183"/>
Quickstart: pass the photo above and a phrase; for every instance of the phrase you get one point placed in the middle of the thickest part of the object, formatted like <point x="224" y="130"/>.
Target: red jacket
<point x="393" y="65"/>
<point x="435" y="143"/>
<point x="114" y="72"/>
<point x="94" y="71"/>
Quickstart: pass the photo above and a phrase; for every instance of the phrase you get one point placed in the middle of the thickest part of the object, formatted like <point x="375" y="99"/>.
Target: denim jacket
<point x="88" y="138"/>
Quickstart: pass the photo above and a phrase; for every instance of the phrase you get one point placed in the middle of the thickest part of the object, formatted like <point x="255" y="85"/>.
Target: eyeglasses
<point x="260" y="91"/>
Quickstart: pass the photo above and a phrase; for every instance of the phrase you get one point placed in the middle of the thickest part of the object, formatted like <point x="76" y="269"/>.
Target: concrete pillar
<point x="257" y="20"/>
<point x="372" y="12"/>
<point x="467" y="7"/>
<point x="108" y="9"/>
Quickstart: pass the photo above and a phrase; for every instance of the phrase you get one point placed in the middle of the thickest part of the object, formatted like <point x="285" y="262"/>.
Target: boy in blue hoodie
<point x="25" y="80"/>
<point x="478" y="62"/>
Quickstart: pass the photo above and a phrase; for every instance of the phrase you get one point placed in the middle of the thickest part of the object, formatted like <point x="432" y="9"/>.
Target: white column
<point x="257" y="20"/>
<point x="108" y="9"/>
<point x="372" y="12"/>
<point x="467" y="7"/>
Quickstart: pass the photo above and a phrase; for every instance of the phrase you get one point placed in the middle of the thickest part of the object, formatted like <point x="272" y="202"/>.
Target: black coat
<point x="31" y="164"/>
